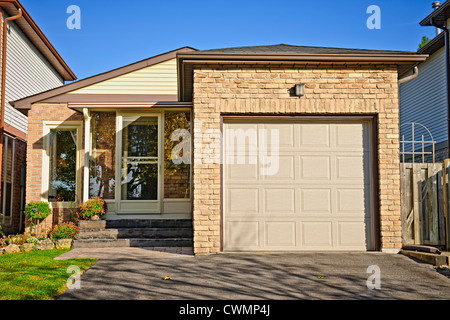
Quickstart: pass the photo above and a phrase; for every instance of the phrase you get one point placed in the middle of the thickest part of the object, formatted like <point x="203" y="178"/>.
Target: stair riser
<point x="120" y="224"/>
<point x="142" y="243"/>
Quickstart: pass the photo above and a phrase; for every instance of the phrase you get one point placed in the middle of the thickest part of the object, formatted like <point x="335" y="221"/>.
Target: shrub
<point x="37" y="210"/>
<point x="32" y="240"/>
<point x="92" y="207"/>
<point x="67" y="230"/>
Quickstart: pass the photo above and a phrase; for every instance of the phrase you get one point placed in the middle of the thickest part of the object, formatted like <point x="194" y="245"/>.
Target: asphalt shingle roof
<point x="286" y="48"/>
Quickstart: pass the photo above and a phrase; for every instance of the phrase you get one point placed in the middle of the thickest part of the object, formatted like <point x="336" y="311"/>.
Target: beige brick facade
<point x="330" y="90"/>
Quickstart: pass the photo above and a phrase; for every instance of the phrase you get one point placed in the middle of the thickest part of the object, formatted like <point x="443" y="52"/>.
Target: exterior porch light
<point x="300" y="90"/>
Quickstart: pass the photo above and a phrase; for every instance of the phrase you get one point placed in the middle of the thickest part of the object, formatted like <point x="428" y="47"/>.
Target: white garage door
<point x="291" y="186"/>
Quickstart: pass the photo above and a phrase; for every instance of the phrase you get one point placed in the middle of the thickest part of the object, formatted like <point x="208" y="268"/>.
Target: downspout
<point x="3" y="89"/>
<point x="411" y="77"/>
<point x="447" y="62"/>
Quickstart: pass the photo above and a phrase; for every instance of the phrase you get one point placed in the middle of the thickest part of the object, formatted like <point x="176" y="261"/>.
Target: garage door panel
<point x="317" y="234"/>
<point x="314" y="201"/>
<point x="351" y="136"/>
<point x="243" y="201"/>
<point x="318" y="199"/>
<point x="279" y="201"/>
<point x="352" y="234"/>
<point x="315" y="167"/>
<point x="314" y="136"/>
<point x="242" y="234"/>
<point x="285" y="168"/>
<point x="280" y="233"/>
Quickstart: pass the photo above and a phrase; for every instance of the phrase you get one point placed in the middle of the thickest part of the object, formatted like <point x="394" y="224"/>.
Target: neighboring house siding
<point x="157" y="79"/>
<point x="424" y="99"/>
<point x="27" y="73"/>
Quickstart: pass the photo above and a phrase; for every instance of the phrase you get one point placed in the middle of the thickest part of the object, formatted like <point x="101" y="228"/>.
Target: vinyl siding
<point x="27" y="73"/>
<point x="424" y="99"/>
<point x="157" y="79"/>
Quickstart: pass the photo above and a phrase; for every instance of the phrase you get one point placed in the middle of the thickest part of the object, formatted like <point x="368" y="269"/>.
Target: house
<point x="31" y="65"/>
<point x="423" y="100"/>
<point x="263" y="148"/>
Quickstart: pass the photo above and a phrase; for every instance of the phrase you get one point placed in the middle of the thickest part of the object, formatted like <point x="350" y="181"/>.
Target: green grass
<point x="35" y="275"/>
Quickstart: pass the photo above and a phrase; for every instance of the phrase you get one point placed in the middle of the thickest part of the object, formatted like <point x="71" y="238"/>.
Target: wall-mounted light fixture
<point x="300" y="90"/>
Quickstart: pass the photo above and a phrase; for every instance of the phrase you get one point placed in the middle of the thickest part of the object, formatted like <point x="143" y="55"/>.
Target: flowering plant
<point x="92" y="207"/>
<point x="67" y="230"/>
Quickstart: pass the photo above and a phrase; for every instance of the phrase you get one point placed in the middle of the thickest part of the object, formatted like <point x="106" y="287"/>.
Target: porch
<point x="136" y="159"/>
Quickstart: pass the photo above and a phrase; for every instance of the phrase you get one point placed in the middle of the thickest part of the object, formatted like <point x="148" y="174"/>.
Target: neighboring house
<point x="297" y="171"/>
<point x="424" y="99"/>
<point x="32" y="65"/>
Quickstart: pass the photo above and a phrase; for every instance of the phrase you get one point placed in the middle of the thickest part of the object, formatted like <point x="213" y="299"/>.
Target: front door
<point x="139" y="158"/>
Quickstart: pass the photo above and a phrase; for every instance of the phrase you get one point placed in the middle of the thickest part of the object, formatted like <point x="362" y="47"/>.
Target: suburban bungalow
<point x="263" y="148"/>
<point x="30" y="64"/>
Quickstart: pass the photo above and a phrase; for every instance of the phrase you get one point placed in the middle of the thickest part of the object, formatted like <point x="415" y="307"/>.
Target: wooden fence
<point x="425" y="203"/>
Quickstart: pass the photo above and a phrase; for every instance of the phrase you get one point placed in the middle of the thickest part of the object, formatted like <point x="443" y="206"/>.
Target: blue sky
<point x="113" y="35"/>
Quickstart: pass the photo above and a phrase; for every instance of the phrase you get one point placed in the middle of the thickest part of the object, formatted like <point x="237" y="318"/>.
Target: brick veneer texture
<point x="329" y="90"/>
<point x="36" y="116"/>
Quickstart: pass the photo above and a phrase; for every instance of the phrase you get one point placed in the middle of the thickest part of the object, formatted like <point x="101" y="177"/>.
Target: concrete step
<point x="91" y="224"/>
<point x="148" y="223"/>
<point x="107" y="234"/>
<point x="154" y="233"/>
<point x="133" y="242"/>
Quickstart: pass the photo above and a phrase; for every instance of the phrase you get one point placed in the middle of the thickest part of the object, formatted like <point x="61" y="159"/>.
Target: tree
<point x="425" y="40"/>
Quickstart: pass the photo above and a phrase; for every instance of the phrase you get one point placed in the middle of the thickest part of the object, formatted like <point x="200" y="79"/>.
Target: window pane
<point x="8" y="166"/>
<point x="177" y="143"/>
<point x="103" y="159"/>
<point x="63" y="157"/>
<point x="140" y="181"/>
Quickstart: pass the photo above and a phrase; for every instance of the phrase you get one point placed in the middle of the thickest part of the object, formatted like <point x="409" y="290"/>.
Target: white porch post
<point x="87" y="151"/>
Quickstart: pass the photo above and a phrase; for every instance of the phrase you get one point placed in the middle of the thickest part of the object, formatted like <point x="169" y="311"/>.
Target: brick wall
<point x="36" y="116"/>
<point x="330" y="90"/>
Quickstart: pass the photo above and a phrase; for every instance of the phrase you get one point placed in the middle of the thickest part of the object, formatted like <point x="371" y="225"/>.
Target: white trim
<point x="87" y="152"/>
<point x="47" y="126"/>
<point x="119" y="129"/>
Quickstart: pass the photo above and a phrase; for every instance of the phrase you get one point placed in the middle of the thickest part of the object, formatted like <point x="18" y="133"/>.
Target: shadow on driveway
<point x="139" y="275"/>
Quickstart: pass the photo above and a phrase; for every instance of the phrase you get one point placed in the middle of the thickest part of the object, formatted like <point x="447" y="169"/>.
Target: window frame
<point x="68" y="125"/>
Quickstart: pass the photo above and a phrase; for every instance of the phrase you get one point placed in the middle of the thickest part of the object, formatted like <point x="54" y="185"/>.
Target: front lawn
<point x="35" y="275"/>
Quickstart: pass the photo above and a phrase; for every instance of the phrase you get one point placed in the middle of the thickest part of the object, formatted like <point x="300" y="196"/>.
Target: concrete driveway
<point x="135" y="273"/>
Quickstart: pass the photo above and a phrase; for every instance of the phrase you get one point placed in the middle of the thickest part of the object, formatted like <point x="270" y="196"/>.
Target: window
<point x="103" y="155"/>
<point x="8" y="176"/>
<point x="61" y="168"/>
<point x="177" y="143"/>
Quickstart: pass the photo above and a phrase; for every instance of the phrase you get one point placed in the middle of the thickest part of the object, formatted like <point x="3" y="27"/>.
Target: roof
<point x="438" y="16"/>
<point x="37" y="37"/>
<point x="291" y="54"/>
<point x="287" y="48"/>
<point x="434" y="45"/>
<point x="25" y="104"/>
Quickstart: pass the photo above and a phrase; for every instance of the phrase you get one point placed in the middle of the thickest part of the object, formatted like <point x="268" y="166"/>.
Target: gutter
<point x="3" y="84"/>
<point x="447" y="61"/>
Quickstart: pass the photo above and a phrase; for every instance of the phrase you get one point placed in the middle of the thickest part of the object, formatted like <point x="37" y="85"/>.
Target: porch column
<point x="87" y="151"/>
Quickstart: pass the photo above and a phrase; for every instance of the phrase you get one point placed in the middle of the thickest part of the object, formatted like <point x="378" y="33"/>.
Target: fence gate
<point x="424" y="195"/>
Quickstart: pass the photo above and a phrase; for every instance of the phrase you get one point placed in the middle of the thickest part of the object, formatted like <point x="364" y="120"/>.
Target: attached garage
<point x="297" y="185"/>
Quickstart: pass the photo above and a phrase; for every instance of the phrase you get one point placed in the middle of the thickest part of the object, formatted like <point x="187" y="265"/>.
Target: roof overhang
<point x="438" y="16"/>
<point x="38" y="38"/>
<point x="63" y="94"/>
<point x="186" y="62"/>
